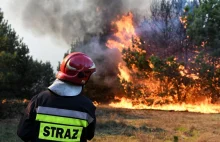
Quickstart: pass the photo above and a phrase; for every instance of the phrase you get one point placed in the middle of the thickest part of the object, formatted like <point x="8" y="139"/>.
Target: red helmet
<point x="76" y="68"/>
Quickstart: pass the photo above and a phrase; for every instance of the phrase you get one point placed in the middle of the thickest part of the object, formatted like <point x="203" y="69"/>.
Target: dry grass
<point x="8" y="129"/>
<point x="125" y="125"/>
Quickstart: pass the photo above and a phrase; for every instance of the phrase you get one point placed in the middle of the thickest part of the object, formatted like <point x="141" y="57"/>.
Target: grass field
<point x="126" y="125"/>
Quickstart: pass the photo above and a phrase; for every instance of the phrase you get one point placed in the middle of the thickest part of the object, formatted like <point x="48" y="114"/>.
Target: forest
<point x="172" y="53"/>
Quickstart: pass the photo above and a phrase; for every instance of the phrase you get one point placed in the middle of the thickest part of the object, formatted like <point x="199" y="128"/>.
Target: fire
<point x="95" y="103"/>
<point x="4" y="101"/>
<point x="183" y="20"/>
<point x="124" y="73"/>
<point x="25" y="101"/>
<point x="125" y="33"/>
<point x="124" y="36"/>
<point x="152" y="89"/>
<point x="202" y="107"/>
<point x="184" y="72"/>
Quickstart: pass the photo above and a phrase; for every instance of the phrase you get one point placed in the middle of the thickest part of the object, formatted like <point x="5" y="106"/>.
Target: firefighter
<point x="62" y="112"/>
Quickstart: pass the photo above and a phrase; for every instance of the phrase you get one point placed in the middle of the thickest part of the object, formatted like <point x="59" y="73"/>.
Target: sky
<point x="48" y="27"/>
<point x="41" y="47"/>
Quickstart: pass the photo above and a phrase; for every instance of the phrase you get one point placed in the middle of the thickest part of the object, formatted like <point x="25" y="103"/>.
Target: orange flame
<point x="183" y="20"/>
<point x="4" y="101"/>
<point x="25" y="101"/>
<point x="123" y="39"/>
<point x="124" y="73"/>
<point x="95" y="103"/>
<point x="184" y="72"/>
<point x="202" y="107"/>
<point x="125" y="33"/>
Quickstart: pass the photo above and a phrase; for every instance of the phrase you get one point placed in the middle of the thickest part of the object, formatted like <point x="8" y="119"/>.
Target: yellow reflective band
<point x="61" y="120"/>
<point x="60" y="133"/>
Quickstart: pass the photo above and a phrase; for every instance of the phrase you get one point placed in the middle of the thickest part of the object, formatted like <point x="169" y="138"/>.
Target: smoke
<point x="63" y="19"/>
<point x="70" y="20"/>
<point x="106" y="60"/>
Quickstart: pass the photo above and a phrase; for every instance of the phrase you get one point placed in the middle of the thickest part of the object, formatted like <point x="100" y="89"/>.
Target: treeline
<point x="179" y="59"/>
<point x="20" y="74"/>
<point x="182" y="49"/>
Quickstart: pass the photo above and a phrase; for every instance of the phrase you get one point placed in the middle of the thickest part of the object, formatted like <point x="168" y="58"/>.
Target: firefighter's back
<point x="61" y="118"/>
<point x="62" y="113"/>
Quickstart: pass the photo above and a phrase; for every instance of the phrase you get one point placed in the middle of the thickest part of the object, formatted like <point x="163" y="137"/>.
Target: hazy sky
<point x="49" y="26"/>
<point x="41" y="47"/>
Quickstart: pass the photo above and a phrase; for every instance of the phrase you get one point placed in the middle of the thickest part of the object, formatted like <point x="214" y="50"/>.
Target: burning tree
<point x="152" y="59"/>
<point x="157" y="79"/>
<point x="202" y="28"/>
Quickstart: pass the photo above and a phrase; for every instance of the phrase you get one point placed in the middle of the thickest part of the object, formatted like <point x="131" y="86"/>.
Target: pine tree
<point x="19" y="73"/>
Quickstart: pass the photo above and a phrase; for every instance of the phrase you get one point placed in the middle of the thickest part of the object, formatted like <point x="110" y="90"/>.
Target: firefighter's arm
<point x="92" y="125"/>
<point x="91" y="130"/>
<point x="26" y="127"/>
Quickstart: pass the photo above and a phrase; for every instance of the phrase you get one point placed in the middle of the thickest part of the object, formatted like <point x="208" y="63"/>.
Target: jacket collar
<point x="62" y="88"/>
